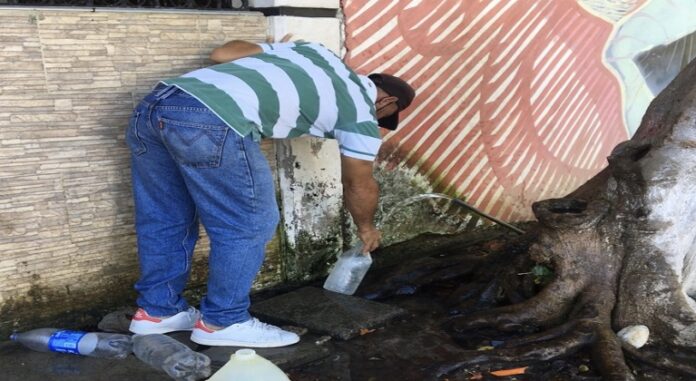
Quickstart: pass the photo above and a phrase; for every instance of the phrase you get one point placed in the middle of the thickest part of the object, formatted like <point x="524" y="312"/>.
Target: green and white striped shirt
<point x="289" y="90"/>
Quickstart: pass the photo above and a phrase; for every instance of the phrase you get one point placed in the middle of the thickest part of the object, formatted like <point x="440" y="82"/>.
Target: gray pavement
<point x="325" y="312"/>
<point x="343" y="339"/>
<point x="319" y="316"/>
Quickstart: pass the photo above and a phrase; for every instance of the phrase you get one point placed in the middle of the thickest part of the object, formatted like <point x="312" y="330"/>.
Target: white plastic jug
<point x="246" y="365"/>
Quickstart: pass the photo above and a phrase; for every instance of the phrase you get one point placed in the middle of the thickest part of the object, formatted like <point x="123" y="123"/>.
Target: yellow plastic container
<point x="246" y="365"/>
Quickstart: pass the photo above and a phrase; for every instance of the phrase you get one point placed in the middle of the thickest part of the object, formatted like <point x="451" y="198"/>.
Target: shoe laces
<point x="256" y="323"/>
<point x="193" y="314"/>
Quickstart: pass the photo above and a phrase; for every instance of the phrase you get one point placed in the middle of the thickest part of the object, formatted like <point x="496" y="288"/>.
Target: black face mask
<point x="398" y="88"/>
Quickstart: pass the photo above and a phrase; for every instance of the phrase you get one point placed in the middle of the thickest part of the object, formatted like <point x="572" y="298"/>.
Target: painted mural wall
<point x="518" y="100"/>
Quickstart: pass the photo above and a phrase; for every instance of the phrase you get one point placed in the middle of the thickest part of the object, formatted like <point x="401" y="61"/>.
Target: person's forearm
<point x="361" y="202"/>
<point x="234" y="50"/>
<point x="360" y="194"/>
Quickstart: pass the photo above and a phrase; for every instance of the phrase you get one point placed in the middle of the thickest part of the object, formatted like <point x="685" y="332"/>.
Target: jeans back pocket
<point x="194" y="144"/>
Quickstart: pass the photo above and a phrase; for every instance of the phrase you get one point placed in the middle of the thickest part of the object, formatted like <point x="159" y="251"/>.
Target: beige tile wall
<point x="68" y="82"/>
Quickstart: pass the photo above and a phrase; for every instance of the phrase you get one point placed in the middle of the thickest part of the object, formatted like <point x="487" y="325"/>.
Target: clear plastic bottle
<point x="94" y="344"/>
<point x="246" y="365"/>
<point x="349" y="271"/>
<point x="176" y="359"/>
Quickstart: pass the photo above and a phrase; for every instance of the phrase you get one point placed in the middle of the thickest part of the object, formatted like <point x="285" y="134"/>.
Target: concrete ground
<point x="343" y="338"/>
<point x="401" y="337"/>
<point x="350" y="339"/>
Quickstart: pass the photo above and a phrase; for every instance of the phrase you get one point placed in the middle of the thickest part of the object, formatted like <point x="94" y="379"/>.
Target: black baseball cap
<point x="395" y="87"/>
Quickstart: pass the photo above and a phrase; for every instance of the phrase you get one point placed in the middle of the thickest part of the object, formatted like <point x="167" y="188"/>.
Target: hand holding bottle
<point x="370" y="237"/>
<point x="349" y="271"/>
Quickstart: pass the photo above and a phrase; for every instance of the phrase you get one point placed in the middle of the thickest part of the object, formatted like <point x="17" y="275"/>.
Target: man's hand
<point x="370" y="237"/>
<point x="286" y="38"/>
<point x="237" y="49"/>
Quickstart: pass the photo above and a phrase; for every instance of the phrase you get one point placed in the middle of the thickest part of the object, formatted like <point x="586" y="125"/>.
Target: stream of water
<point x="429" y="196"/>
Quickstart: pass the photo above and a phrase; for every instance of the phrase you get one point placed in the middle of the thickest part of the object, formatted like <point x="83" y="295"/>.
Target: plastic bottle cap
<point x="245" y="354"/>
<point x="13" y="336"/>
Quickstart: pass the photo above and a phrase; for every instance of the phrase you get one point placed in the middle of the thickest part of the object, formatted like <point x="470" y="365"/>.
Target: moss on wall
<point x="66" y="308"/>
<point x="312" y="255"/>
<point x="402" y="221"/>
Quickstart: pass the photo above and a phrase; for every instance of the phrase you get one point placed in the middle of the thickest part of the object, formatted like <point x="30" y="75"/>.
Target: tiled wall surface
<point x="69" y="82"/>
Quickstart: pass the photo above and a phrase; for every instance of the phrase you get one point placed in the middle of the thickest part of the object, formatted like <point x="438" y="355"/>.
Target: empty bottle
<point x="246" y="365"/>
<point x="176" y="359"/>
<point x="94" y="344"/>
<point x="349" y="271"/>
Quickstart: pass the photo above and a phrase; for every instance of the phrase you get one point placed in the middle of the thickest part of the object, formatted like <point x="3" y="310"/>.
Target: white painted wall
<point x="308" y="168"/>
<point x="295" y="3"/>
<point x="324" y="30"/>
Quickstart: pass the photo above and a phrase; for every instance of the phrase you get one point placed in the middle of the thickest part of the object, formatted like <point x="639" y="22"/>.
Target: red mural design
<point x="514" y="102"/>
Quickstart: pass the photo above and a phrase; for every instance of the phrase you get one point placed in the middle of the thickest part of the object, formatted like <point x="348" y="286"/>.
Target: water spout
<point x="456" y="201"/>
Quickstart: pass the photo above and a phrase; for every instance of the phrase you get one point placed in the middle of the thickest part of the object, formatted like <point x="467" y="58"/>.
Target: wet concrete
<point x="310" y="349"/>
<point x="20" y="364"/>
<point x="325" y="312"/>
<point x="407" y="346"/>
<point x="404" y="341"/>
<point x="399" y="338"/>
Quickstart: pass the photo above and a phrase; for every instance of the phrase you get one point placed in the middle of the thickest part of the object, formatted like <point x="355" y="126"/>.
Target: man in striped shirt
<point x="195" y="155"/>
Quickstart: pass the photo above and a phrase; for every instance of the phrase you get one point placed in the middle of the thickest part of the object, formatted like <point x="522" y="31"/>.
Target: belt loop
<point x="165" y="92"/>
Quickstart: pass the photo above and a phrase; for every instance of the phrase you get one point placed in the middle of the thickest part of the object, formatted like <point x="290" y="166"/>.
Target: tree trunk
<point x="623" y="249"/>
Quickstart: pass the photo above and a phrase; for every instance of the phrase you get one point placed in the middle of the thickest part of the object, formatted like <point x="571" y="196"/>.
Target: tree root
<point x="563" y="345"/>
<point x="409" y="277"/>
<point x="464" y="293"/>
<point x="560" y="341"/>
<point x="588" y="324"/>
<point x="549" y="307"/>
<point x="538" y="337"/>
<point x="661" y="359"/>
<point x="608" y="357"/>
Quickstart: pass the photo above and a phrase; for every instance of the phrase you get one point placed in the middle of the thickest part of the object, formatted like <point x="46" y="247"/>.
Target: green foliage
<point x="542" y="275"/>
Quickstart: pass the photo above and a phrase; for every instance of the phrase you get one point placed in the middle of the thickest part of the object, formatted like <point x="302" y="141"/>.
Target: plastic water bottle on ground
<point x="246" y="365"/>
<point x="176" y="359"/>
<point x="94" y="344"/>
<point x="349" y="271"/>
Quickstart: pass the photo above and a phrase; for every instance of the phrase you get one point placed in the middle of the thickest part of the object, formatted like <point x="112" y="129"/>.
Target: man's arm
<point x="361" y="193"/>
<point x="233" y="50"/>
<point x="237" y="49"/>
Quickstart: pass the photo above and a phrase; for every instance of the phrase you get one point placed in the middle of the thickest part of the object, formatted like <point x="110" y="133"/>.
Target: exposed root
<point x="464" y="294"/>
<point x="518" y="287"/>
<point x="549" y="334"/>
<point x="557" y="342"/>
<point x="608" y="357"/>
<point x="411" y="276"/>
<point x="662" y="359"/>
<point x="549" y="307"/>
<point x="589" y="325"/>
<point x="451" y="272"/>
<point x="564" y="345"/>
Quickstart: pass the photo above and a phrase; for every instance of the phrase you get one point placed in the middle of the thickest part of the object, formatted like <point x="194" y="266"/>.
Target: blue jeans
<point x="188" y="165"/>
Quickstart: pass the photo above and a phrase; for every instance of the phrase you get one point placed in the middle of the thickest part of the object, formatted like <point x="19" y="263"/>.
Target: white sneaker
<point x="144" y="324"/>
<point x="251" y="333"/>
